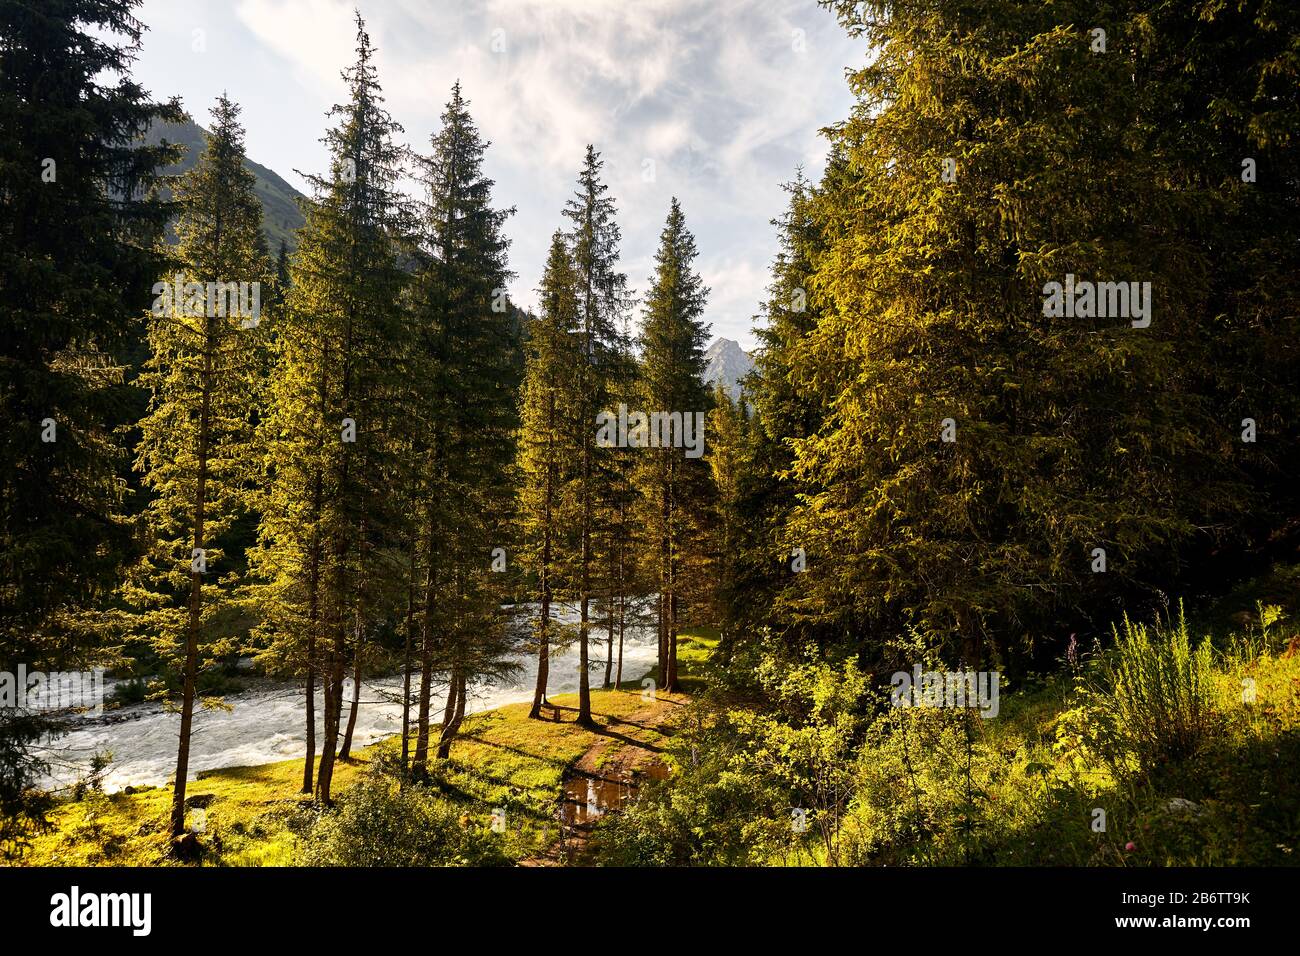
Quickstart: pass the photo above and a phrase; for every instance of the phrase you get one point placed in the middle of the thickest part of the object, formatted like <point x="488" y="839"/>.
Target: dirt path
<point x="609" y="774"/>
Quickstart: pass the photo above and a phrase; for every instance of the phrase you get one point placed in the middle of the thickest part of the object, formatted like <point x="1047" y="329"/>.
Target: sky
<point x="716" y="102"/>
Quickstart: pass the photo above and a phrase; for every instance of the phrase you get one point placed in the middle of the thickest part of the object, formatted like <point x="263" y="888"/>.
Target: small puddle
<point x="587" y="799"/>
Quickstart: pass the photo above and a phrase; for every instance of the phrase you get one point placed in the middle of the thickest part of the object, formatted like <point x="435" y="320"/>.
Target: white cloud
<point x="716" y="92"/>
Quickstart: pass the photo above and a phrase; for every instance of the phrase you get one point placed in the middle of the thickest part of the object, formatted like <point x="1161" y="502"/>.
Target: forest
<point x="992" y="559"/>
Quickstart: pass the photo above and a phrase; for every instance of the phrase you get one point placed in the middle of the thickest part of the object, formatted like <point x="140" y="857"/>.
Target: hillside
<point x="281" y="215"/>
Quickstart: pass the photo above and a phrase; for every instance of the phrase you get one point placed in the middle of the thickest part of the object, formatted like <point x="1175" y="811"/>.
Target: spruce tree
<point x="467" y="348"/>
<point x="196" y="440"/>
<point x="620" y="542"/>
<point x="994" y="469"/>
<point x="79" y="249"/>
<point x="674" y="485"/>
<point x="337" y="402"/>
<point x="549" y="449"/>
<point x="602" y="301"/>
<point x="730" y="458"/>
<point x="787" y="409"/>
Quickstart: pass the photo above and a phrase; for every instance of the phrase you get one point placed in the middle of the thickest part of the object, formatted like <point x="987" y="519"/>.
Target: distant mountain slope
<point x="728" y="363"/>
<point x="281" y="217"/>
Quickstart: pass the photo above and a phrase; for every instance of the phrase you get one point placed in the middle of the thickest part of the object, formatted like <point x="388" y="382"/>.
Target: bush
<point x="714" y="810"/>
<point x="379" y="824"/>
<point x="748" y="786"/>
<point x="1152" y="698"/>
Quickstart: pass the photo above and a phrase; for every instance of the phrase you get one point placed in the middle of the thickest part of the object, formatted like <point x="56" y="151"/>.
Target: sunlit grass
<point x="501" y="759"/>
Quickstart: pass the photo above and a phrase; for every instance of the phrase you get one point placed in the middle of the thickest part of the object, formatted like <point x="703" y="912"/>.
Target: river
<point x="266" y="724"/>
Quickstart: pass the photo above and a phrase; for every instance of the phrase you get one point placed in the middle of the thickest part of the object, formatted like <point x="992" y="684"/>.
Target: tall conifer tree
<point x="602" y="300"/>
<point x="79" y="250"/>
<point x="337" y="403"/>
<point x="672" y="381"/>
<point x="993" y="468"/>
<point x="467" y="345"/>
<point x="196" y="440"/>
<point x="548" y="449"/>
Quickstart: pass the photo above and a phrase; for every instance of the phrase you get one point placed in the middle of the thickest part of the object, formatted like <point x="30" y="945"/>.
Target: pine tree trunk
<point x="609" y="649"/>
<point x="670" y="679"/>
<point x="309" y="765"/>
<point x="665" y="584"/>
<point x="670" y="674"/>
<point x="333" y="683"/>
<point x="460" y="701"/>
<point x="609" y="622"/>
<point x="449" y="716"/>
<point x="457" y="689"/>
<point x="622" y="594"/>
<point x="543" y="657"/>
<point x="622" y="624"/>
<point x="406" y="668"/>
<point x="584" y="675"/>
<point x="420" y="761"/>
<point x="333" y="715"/>
<point x="346" y="750"/>
<point x="313" y="617"/>
<point x="543" y="630"/>
<point x="196" y="595"/>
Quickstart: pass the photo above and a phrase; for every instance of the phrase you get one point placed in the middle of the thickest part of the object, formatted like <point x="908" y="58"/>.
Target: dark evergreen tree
<point x="196" y="449"/>
<point x="467" y="351"/>
<point x="549" y="451"/>
<point x="330" y="525"/>
<point x="80" y="223"/>
<point x="602" y="301"/>
<point x="674" y="483"/>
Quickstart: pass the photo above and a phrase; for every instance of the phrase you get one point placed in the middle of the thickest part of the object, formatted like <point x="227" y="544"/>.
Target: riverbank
<point x="261" y="720"/>
<point x="502" y="761"/>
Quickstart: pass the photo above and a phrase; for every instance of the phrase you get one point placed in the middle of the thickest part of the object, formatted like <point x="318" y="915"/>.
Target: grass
<point x="1187" y="767"/>
<point x="694" y="647"/>
<point x="253" y="814"/>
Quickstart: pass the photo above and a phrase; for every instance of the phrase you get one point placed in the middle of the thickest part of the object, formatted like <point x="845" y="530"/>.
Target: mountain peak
<point x="726" y="363"/>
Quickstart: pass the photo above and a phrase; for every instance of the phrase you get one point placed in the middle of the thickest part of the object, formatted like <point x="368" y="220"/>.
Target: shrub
<point x="752" y="786"/>
<point x="1151" y="700"/>
<point x="379" y="824"/>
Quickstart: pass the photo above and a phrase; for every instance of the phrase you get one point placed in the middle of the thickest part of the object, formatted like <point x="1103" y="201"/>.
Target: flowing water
<point x="266" y="724"/>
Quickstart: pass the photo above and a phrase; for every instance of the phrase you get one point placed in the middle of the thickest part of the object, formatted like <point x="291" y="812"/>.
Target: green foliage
<point x="602" y="301"/>
<point x="1153" y="698"/>
<point x="204" y="376"/>
<point x="338" y="402"/>
<point x="942" y="786"/>
<point x="459" y="440"/>
<point x="281" y="215"/>
<point x="79" y="247"/>
<point x="548" y="449"/>
<point x="675" y="489"/>
<point x="23" y="808"/>
<point x="378" y="823"/>
<point x="924" y="303"/>
<point x="80" y="223"/>
<point x="924" y="776"/>
<point x="741" y="779"/>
